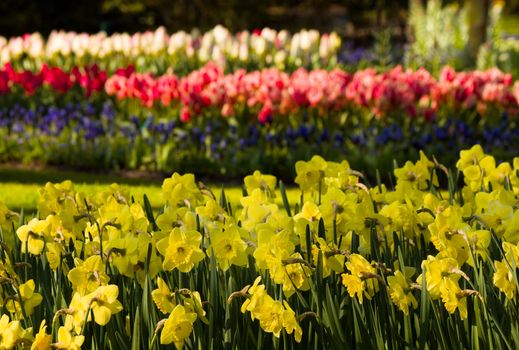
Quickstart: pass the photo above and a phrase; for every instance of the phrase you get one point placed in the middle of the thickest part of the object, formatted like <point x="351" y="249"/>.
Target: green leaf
<point x="149" y="213"/>
<point x="136" y="335"/>
<point x="283" y="192"/>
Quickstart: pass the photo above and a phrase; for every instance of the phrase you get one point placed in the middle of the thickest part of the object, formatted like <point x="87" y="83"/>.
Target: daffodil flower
<point x="178" y="327"/>
<point x="103" y="302"/>
<point x="181" y="250"/>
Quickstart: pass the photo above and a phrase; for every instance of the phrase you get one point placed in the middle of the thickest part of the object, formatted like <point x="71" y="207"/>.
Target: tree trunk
<point x="478" y="20"/>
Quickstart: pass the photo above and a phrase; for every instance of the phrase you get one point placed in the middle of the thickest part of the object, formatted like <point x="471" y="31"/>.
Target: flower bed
<point x="272" y="93"/>
<point x="214" y="123"/>
<point x="159" y="51"/>
<point x="413" y="265"/>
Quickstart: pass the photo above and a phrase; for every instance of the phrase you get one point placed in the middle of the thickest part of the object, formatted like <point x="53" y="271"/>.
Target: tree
<point x="478" y="17"/>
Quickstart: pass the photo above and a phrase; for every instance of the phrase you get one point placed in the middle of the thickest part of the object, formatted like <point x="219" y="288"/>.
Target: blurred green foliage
<point x="349" y="17"/>
<point x="440" y="35"/>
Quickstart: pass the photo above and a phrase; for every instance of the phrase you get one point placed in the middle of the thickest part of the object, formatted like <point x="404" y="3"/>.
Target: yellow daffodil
<point x="504" y="279"/>
<point x="449" y="234"/>
<point x="477" y="176"/>
<point x="401" y="292"/>
<point x="437" y="270"/>
<point x="77" y="312"/>
<point x="103" y="302"/>
<point x="362" y="279"/>
<point x="401" y="217"/>
<point x="332" y="258"/>
<point x="270" y="244"/>
<point x="470" y="157"/>
<point x="271" y="316"/>
<point x="124" y="253"/>
<point x="10" y="332"/>
<point x="511" y="253"/>
<point x="179" y="190"/>
<point x="296" y="275"/>
<point x="29" y="300"/>
<point x="257" y="298"/>
<point x="411" y="176"/>
<point x="54" y="254"/>
<point x="163" y="297"/>
<point x="310" y="175"/>
<point x="178" y="327"/>
<point x="54" y="197"/>
<point x="181" y="250"/>
<point x="511" y="229"/>
<point x="257" y="207"/>
<point x="154" y="263"/>
<point x="290" y="322"/>
<point x="33" y="235"/>
<point x="261" y="181"/>
<point x="228" y="247"/>
<point x="171" y="217"/>
<point x="453" y="298"/>
<point x="42" y="340"/>
<point x="88" y="275"/>
<point x="309" y="216"/>
<point x="211" y="211"/>
<point x="67" y="341"/>
<point x="193" y="303"/>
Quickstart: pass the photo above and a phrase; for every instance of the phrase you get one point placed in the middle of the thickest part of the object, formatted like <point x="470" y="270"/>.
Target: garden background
<point x="372" y="35"/>
<point x="388" y="131"/>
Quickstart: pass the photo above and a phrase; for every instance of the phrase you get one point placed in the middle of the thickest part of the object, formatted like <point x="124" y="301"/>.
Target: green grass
<point x="19" y="186"/>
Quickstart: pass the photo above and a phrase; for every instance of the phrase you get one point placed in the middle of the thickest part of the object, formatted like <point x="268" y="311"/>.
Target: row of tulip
<point x="351" y="265"/>
<point x="159" y="50"/>
<point x="270" y="93"/>
<point x="275" y="93"/>
<point x="88" y="78"/>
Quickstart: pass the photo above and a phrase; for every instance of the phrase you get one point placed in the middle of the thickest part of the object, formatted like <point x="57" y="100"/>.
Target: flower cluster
<point x="271" y="92"/>
<point x="77" y="135"/>
<point x="88" y="78"/>
<point x="260" y="48"/>
<point x="118" y="264"/>
<point x="273" y="315"/>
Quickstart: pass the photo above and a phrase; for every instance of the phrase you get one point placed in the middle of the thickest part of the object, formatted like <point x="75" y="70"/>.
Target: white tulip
<point x="283" y="37"/>
<point x="294" y="45"/>
<point x="5" y="57"/>
<point x="177" y="42"/>
<point x="269" y="34"/>
<point x="244" y="52"/>
<point x="234" y="51"/>
<point x="16" y="47"/>
<point x="324" y="47"/>
<point x="304" y="43"/>
<point x="220" y="34"/>
<point x="34" y="46"/>
<point x="259" y="45"/>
